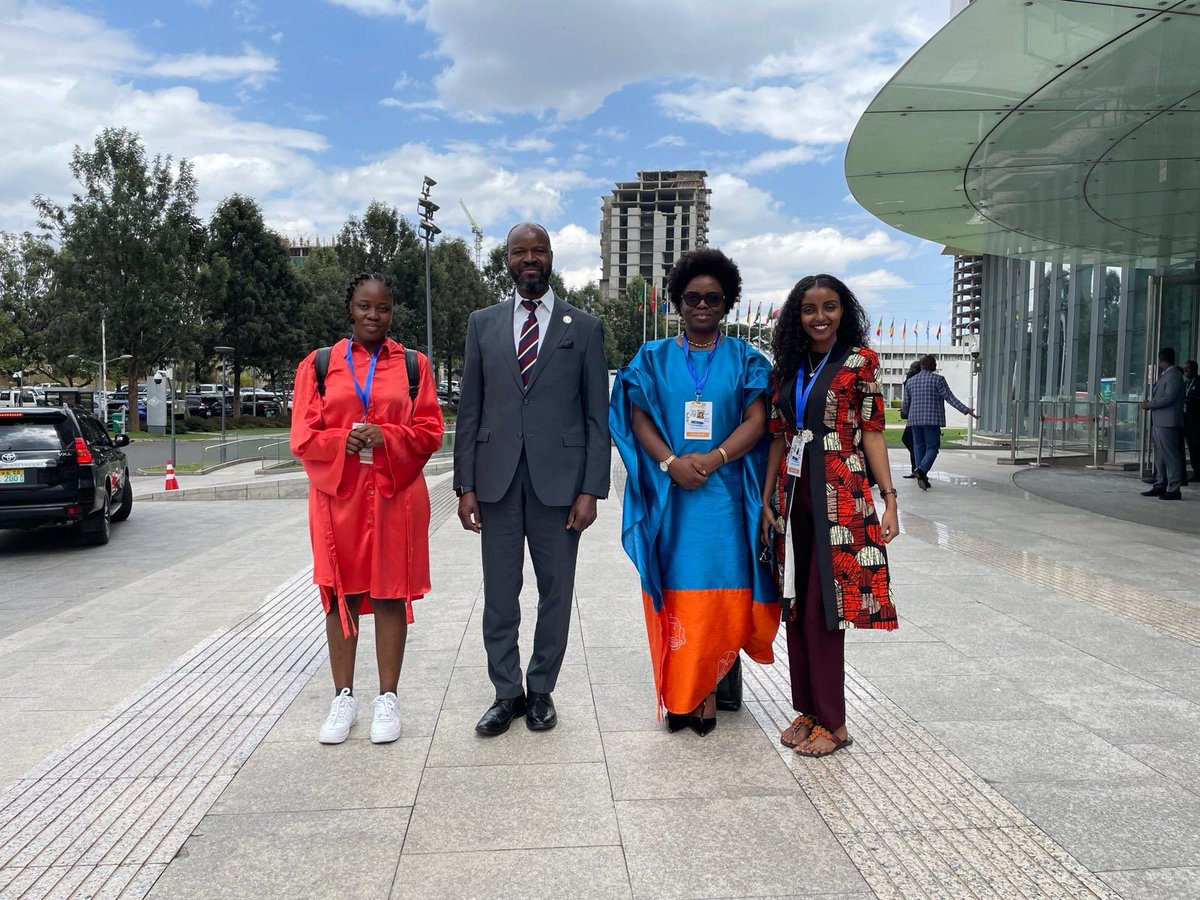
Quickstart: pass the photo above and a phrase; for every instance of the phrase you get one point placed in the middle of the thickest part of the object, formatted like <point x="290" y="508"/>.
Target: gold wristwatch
<point x="666" y="463"/>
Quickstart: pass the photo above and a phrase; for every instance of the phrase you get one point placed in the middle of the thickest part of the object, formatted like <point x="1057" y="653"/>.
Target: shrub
<point x="256" y="422"/>
<point x="195" y="423"/>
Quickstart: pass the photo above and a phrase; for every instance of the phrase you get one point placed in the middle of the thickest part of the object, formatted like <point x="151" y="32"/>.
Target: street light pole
<point x="223" y="352"/>
<point x="428" y="231"/>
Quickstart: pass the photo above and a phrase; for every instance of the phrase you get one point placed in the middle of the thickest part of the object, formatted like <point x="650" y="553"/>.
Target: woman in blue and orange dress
<point x="364" y="444"/>
<point x="693" y="491"/>
<point x="827" y="426"/>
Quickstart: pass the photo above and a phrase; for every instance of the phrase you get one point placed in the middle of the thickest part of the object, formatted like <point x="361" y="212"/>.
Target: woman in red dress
<point x="828" y="538"/>
<point x="364" y="444"/>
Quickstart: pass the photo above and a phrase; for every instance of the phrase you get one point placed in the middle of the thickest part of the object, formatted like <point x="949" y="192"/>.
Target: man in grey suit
<point x="1166" y="421"/>
<point x="531" y="458"/>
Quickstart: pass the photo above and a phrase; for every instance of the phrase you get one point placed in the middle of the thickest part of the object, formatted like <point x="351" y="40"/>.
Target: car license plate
<point x="12" y="476"/>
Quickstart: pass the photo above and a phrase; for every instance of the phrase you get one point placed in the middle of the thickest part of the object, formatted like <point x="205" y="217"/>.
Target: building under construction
<point x="648" y="223"/>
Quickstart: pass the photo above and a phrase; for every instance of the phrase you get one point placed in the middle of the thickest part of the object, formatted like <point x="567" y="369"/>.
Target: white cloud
<point x="668" y="140"/>
<point x="771" y="263"/>
<point x="496" y="196"/>
<point x="611" y="133"/>
<point x="252" y="65"/>
<point x="384" y="8"/>
<point x="874" y="286"/>
<point x="588" y="46"/>
<point x="529" y="143"/>
<point x="576" y="254"/>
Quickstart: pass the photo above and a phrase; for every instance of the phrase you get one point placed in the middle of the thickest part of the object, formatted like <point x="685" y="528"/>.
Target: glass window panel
<point x="1083" y="328"/>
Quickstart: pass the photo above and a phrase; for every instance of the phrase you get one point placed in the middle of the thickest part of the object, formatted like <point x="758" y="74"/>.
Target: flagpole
<point x="644" y="312"/>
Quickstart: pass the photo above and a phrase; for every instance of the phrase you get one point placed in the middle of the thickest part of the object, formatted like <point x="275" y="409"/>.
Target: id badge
<point x="795" y="457"/>
<point x="697" y="420"/>
<point x="367" y="454"/>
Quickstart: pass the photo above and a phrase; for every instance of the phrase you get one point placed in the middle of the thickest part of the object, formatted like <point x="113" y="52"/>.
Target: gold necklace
<point x="697" y="346"/>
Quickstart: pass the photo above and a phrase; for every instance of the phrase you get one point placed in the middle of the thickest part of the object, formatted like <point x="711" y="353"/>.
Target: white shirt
<point x="543" y="312"/>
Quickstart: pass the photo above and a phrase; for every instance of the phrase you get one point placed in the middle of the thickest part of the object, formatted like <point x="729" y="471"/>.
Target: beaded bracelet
<point x="883" y="492"/>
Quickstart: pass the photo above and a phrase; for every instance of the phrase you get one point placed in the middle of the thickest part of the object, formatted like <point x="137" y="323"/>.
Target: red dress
<point x="369" y="523"/>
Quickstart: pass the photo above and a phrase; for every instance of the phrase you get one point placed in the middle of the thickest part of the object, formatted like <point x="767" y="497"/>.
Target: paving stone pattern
<point x="103" y="816"/>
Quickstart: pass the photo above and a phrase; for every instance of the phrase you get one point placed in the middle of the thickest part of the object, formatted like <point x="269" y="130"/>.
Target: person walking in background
<point x="363" y="436"/>
<point x="907" y="438"/>
<point x="531" y="458"/>
<point x="924" y="407"/>
<point x="829" y="541"/>
<point x="1166" y="421"/>
<point x="688" y="415"/>
<point x="1191" y="416"/>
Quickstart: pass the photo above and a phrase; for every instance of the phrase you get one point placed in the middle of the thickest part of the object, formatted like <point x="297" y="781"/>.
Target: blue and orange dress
<point x="705" y="594"/>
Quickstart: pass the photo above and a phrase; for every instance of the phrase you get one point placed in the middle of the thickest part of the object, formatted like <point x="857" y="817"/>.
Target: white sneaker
<point x="343" y="713"/>
<point x="385" y="728"/>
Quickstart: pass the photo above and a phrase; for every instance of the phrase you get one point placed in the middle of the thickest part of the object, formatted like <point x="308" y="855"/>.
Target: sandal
<point x="820" y="731"/>
<point x="791" y="737"/>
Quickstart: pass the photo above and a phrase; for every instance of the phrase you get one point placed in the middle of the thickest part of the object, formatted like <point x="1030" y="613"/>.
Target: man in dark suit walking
<point x="531" y="458"/>
<point x="1166" y="421"/>
<point x="1191" y="415"/>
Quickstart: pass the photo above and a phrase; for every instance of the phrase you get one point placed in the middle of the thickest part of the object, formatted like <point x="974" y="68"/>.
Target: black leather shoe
<point x="1171" y="495"/>
<point x="909" y="475"/>
<point x="677" y="721"/>
<point x="500" y="715"/>
<point x="1153" y="492"/>
<point x="540" y="714"/>
<point x="922" y="480"/>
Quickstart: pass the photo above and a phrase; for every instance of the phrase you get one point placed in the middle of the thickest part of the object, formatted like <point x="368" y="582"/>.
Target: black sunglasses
<point x="712" y="301"/>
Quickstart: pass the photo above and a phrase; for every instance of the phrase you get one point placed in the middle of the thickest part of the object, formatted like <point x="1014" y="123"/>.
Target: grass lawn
<point x="210" y="436"/>
<point x="179" y="468"/>
<point x="949" y="436"/>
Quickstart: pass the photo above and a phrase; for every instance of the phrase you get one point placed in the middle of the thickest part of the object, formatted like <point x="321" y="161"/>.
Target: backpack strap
<point x="414" y="373"/>
<point x="321" y="365"/>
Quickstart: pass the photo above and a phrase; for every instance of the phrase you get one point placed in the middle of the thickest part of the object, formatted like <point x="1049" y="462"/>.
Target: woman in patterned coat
<point x="827" y="426"/>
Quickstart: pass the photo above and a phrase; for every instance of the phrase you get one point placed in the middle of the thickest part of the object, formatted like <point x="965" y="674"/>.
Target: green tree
<point x="458" y="290"/>
<point x="253" y="297"/>
<point x="383" y="241"/>
<point x="26" y="289"/>
<point x="324" y="280"/>
<point x="129" y="240"/>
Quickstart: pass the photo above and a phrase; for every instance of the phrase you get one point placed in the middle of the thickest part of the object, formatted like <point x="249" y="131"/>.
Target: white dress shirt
<point x="543" y="313"/>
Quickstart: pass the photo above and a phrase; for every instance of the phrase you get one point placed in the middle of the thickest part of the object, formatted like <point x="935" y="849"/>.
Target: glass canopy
<point x="1033" y="128"/>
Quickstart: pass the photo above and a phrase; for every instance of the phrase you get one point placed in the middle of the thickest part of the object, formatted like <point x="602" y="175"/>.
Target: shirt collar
<point x="385" y="349"/>
<point x="547" y="299"/>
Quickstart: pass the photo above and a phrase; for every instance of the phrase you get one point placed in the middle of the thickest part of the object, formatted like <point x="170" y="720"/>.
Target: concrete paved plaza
<point x="1030" y="731"/>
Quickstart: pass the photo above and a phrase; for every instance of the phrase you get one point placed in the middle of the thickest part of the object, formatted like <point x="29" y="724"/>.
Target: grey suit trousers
<point x="519" y="516"/>
<point x="1168" y="457"/>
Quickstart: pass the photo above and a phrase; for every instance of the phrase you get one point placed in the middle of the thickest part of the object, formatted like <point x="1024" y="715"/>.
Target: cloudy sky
<point x="528" y="110"/>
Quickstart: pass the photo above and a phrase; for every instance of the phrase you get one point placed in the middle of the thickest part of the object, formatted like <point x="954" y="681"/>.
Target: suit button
<point x="519" y="435"/>
<point x="524" y="402"/>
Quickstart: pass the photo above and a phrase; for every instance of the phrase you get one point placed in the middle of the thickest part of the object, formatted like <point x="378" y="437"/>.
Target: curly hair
<point x="706" y="261"/>
<point x="791" y="341"/>
<point x="386" y="280"/>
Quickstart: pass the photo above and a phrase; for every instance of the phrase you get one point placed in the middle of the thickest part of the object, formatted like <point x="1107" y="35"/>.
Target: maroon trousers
<point x="816" y="653"/>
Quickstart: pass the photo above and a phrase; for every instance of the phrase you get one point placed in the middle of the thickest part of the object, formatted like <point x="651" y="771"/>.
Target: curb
<point x="289" y="488"/>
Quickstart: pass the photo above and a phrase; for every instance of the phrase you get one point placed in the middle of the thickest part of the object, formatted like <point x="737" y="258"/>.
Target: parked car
<point x="198" y="408"/>
<point x="58" y="466"/>
<point x="258" y="402"/>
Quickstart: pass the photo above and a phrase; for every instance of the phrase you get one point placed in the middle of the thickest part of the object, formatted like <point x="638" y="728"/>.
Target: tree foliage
<point x="128" y="244"/>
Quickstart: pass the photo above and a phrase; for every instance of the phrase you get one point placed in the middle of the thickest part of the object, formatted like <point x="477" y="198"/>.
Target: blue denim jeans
<point x="927" y="440"/>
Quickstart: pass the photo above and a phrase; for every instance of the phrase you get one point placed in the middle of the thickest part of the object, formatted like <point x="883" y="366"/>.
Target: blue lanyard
<point x="698" y="380"/>
<point x="364" y="393"/>
<point x="803" y="390"/>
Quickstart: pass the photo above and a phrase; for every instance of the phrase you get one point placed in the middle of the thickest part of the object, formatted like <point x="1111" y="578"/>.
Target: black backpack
<point x="321" y="365"/>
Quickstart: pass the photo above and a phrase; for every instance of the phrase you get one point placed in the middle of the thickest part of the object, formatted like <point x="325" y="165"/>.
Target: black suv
<point x="58" y="466"/>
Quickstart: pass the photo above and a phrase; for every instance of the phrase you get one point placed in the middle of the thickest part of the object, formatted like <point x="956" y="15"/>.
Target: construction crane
<point x="475" y="230"/>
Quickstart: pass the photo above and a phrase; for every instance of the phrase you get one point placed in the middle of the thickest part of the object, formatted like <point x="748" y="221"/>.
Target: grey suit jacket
<point x="1166" y="402"/>
<point x="560" y="420"/>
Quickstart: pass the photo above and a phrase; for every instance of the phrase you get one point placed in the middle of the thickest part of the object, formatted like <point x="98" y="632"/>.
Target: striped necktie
<point x="527" y="346"/>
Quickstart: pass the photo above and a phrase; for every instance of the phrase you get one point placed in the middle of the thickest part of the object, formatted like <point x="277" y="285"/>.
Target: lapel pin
<point x="566" y="320"/>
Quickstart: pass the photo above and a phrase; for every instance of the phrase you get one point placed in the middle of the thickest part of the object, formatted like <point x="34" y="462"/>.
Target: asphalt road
<point x="48" y="571"/>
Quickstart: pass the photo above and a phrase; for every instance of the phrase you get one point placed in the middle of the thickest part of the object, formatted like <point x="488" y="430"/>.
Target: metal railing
<point x="1099" y="431"/>
<point x="273" y="449"/>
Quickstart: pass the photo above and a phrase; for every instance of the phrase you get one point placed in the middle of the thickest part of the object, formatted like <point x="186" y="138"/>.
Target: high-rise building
<point x="648" y="223"/>
<point x="966" y="293"/>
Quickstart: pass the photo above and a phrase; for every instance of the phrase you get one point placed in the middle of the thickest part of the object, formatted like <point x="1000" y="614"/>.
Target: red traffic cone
<point x="172" y="481"/>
